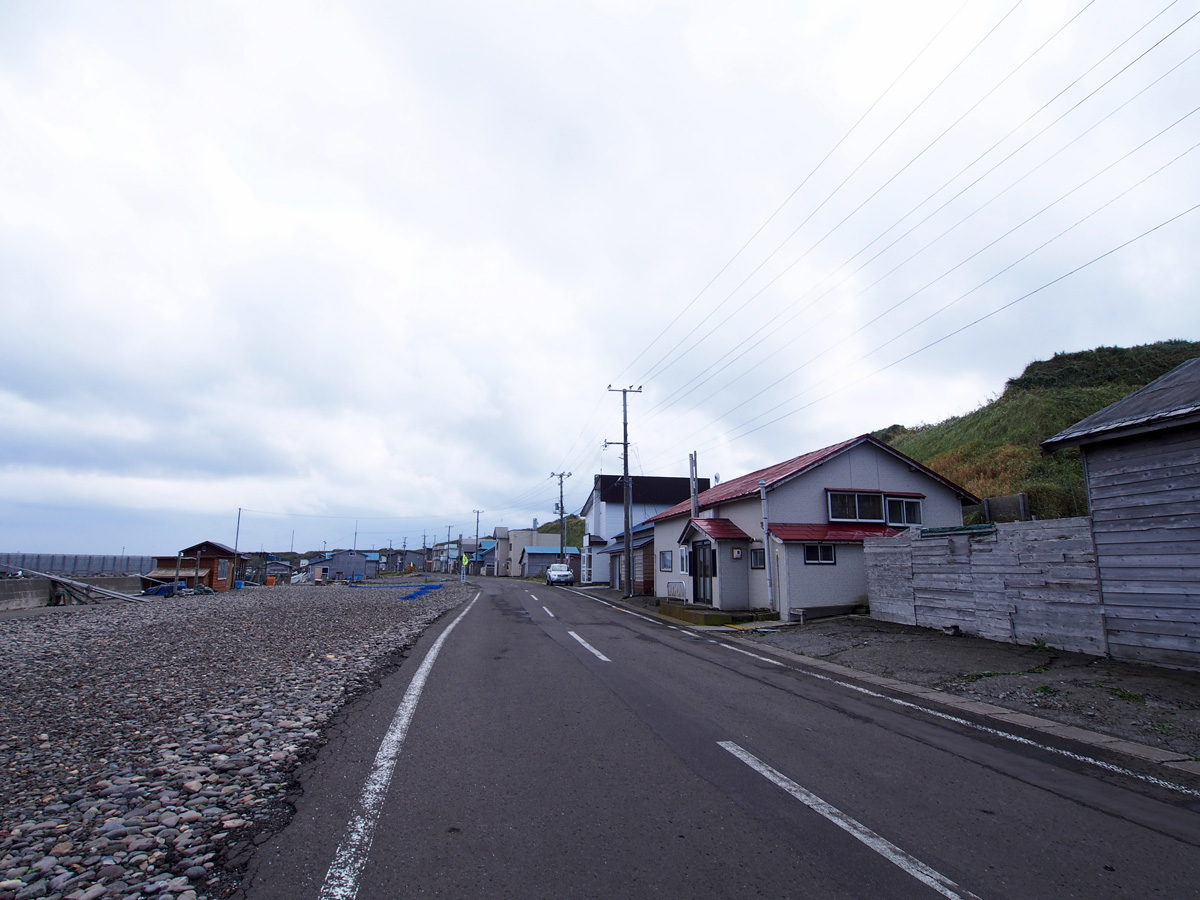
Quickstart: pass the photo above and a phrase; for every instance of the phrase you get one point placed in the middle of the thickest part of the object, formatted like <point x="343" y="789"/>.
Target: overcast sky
<point x="374" y="265"/>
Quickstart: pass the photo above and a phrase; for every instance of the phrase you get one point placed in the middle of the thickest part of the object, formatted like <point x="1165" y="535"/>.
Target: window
<point x="683" y="560"/>
<point x="845" y="506"/>
<point x="222" y="570"/>
<point x="758" y="558"/>
<point x="819" y="554"/>
<point x="903" y="512"/>
<point x="664" y="560"/>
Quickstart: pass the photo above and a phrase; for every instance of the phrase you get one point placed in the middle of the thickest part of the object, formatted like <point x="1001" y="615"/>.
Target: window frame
<point x="820" y="549"/>
<point x="758" y="557"/>
<point x="858" y="516"/>
<point x="665" y="560"/>
<point x="906" y="505"/>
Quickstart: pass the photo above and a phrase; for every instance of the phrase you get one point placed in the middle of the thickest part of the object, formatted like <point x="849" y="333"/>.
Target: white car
<point x="560" y="573"/>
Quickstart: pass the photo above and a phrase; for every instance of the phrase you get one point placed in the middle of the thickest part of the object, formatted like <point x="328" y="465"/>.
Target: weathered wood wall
<point x="1021" y="582"/>
<point x="1145" y="504"/>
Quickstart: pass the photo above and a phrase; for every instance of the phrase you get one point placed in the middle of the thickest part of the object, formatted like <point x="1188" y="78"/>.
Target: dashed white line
<point x="550" y="614"/>
<point x="885" y="848"/>
<point x="341" y="881"/>
<point x="600" y="656"/>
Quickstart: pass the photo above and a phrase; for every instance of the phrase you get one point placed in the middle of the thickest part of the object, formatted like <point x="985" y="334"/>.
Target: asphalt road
<point x="562" y="747"/>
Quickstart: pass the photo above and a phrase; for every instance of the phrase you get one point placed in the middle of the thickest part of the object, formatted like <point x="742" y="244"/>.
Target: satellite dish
<point x="716" y="478"/>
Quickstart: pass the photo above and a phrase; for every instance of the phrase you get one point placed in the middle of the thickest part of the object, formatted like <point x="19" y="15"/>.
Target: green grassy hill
<point x="994" y="450"/>
<point x="574" y="526"/>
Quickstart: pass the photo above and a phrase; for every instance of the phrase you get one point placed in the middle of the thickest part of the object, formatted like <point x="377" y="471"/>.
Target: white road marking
<point x="885" y="848"/>
<point x="588" y="646"/>
<point x="341" y="881"/>
<point x="765" y="659"/>
<point x="550" y="614"/>
<point x="987" y="729"/>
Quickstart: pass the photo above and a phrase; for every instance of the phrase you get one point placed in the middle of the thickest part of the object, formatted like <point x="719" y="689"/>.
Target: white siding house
<point x="819" y="508"/>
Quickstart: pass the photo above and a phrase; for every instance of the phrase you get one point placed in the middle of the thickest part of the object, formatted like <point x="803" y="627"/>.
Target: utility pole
<point x="562" y="522"/>
<point x="625" y="392"/>
<point x="477" y="512"/>
<point x="236" y="534"/>
<point x="449" y="566"/>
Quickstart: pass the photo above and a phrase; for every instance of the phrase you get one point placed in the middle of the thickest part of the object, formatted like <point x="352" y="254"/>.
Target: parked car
<point x="560" y="573"/>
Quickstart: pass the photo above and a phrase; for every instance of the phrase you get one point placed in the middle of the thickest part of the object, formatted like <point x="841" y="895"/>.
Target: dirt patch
<point x="1149" y="705"/>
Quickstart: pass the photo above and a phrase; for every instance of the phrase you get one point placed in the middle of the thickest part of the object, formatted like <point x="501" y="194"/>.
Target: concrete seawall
<point x="29" y="593"/>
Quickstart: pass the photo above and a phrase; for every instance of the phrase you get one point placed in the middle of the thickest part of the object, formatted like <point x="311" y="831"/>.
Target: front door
<point x="702" y="572"/>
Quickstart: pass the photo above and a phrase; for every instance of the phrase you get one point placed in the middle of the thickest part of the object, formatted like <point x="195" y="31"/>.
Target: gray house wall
<point x="813" y="586"/>
<point x="1144" y="494"/>
<point x="862" y="468"/>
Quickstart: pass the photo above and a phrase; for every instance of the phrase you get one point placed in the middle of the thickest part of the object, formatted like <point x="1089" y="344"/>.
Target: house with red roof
<point x="790" y="537"/>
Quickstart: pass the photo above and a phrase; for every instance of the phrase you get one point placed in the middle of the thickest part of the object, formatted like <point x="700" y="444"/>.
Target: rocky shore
<point x="145" y="748"/>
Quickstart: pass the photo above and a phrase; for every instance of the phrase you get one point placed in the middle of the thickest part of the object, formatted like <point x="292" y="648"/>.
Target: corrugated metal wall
<point x="78" y="564"/>
<point x="1145" y="499"/>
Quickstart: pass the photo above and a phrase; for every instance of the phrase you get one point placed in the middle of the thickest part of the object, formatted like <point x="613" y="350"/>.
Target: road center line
<point x="550" y="614"/>
<point x="600" y="656"/>
<point x="341" y="881"/>
<point x="856" y="829"/>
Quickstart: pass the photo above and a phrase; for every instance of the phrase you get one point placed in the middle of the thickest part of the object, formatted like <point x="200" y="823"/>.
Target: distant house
<point x="604" y="514"/>
<point x="1141" y="459"/>
<point x="340" y="565"/>
<point x="208" y="563"/>
<point x="818" y="507"/>
<point x="535" y="560"/>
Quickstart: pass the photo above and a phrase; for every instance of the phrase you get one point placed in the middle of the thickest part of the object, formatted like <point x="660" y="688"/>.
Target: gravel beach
<point x="145" y="748"/>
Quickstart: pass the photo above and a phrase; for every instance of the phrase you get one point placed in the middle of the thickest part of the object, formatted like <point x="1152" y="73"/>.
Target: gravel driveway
<point x="146" y="747"/>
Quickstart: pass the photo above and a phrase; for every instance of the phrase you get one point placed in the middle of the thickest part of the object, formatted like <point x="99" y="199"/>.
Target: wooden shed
<point x="208" y="563"/>
<point x="1141" y="458"/>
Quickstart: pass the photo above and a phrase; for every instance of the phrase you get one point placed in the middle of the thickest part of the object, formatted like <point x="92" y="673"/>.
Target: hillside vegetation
<point x="995" y="450"/>
<point x="574" y="525"/>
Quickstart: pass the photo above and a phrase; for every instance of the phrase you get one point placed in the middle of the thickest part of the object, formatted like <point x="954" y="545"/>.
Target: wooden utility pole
<point x="625" y="392"/>
<point x="562" y="523"/>
<point x="477" y="512"/>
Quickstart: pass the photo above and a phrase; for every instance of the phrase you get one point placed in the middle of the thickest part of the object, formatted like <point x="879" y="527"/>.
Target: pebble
<point x="146" y="742"/>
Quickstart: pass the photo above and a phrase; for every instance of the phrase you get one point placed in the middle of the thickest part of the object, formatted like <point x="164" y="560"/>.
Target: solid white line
<point x="765" y="659"/>
<point x="987" y="729"/>
<point x="550" y="614"/>
<point x="588" y="646"/>
<point x="882" y="846"/>
<point x="341" y="881"/>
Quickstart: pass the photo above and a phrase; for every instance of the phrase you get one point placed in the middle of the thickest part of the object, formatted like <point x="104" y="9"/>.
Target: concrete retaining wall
<point x="1022" y="582"/>
<point x="27" y="593"/>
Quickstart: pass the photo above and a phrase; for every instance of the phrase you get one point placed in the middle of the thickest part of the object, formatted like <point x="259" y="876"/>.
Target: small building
<point x="643" y="560"/>
<point x="1141" y="461"/>
<point x="806" y="519"/>
<point x="518" y="540"/>
<point x="208" y="563"/>
<point x="535" y="560"/>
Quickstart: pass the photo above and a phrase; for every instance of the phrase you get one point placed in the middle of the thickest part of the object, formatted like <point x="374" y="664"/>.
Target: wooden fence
<point x="1020" y="582"/>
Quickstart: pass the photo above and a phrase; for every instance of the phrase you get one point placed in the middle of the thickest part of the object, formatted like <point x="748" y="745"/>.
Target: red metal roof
<point x="717" y="529"/>
<point x="828" y="534"/>
<point x="748" y="485"/>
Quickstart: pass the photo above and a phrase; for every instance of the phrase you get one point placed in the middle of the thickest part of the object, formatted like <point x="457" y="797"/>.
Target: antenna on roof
<point x="716" y="478"/>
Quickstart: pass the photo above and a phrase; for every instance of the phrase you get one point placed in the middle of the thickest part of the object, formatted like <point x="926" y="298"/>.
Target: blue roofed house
<point x="805" y="518"/>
